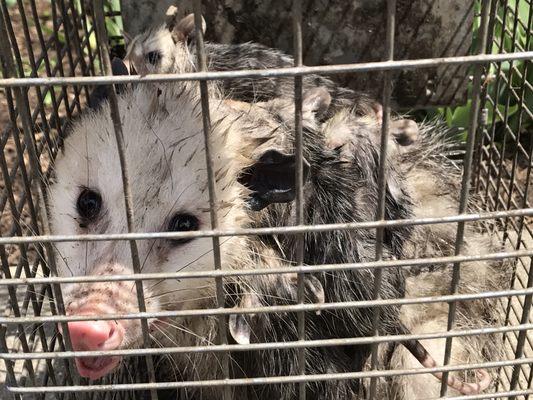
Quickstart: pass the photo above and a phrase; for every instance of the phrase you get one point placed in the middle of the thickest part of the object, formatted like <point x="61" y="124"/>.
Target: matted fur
<point x="177" y="54"/>
<point x="164" y="149"/>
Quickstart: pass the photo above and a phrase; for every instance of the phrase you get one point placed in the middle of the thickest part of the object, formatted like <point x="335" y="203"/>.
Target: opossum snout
<point x="96" y="335"/>
<point x="95" y="300"/>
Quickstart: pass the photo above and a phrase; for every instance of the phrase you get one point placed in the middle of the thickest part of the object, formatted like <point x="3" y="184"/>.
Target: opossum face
<point x="164" y="50"/>
<point x="167" y="171"/>
<point x="154" y="52"/>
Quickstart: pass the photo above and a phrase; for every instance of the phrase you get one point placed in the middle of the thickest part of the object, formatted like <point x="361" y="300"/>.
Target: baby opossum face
<point x="167" y="171"/>
<point x="153" y="52"/>
<point x="164" y="49"/>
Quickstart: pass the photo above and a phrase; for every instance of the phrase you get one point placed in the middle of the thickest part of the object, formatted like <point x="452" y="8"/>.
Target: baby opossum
<point x="170" y="193"/>
<point x="170" y="48"/>
<point x="432" y="187"/>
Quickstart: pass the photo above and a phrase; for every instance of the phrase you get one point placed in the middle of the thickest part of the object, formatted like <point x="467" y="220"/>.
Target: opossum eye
<point x="183" y="223"/>
<point x="89" y="204"/>
<point x="153" y="57"/>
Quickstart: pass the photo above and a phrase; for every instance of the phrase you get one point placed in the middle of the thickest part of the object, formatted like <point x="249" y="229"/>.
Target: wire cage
<point x="54" y="53"/>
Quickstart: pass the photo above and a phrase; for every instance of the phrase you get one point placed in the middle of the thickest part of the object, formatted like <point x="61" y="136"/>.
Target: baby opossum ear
<point x="99" y="94"/>
<point x="404" y="131"/>
<point x="238" y="324"/>
<point x="184" y="30"/>
<point x="316" y="100"/>
<point x="378" y="110"/>
<point x="127" y="38"/>
<point x="272" y="179"/>
<point x="171" y="17"/>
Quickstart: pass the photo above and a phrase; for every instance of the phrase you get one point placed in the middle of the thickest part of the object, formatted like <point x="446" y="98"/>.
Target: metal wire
<point x="523" y="212"/>
<point x="273" y="271"/>
<point x="267" y="346"/>
<point x="39" y="191"/>
<point x="382" y="184"/>
<point x="128" y="199"/>
<point x="269" y="73"/>
<point x="487" y="165"/>
<point x="299" y="179"/>
<point x="206" y="120"/>
<point x="270" y="380"/>
<point x="466" y="182"/>
<point x="272" y="309"/>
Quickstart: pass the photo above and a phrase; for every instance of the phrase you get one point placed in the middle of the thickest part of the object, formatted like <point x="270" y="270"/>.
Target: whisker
<point x="186" y="265"/>
<point x="177" y="290"/>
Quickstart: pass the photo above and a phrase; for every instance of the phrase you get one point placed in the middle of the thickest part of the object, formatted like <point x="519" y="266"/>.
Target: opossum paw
<point x="484" y="381"/>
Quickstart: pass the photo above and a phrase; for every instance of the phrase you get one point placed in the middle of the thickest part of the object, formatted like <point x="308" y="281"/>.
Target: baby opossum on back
<point x="170" y="48"/>
<point x="421" y="177"/>
<point x="163" y="50"/>
<point x="254" y="172"/>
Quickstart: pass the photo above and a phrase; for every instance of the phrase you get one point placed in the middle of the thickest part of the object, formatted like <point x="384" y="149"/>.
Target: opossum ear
<point x="239" y="328"/>
<point x="272" y="179"/>
<point x="316" y="100"/>
<point x="378" y="111"/>
<point x="404" y="131"/>
<point x="171" y="16"/>
<point x="184" y="30"/>
<point x="100" y="94"/>
<point x="127" y="38"/>
<point x="238" y="324"/>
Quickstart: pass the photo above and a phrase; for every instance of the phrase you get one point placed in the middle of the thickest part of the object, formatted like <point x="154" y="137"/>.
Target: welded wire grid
<point x="47" y="74"/>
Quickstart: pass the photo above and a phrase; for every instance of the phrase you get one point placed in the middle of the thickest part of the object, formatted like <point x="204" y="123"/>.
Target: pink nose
<point x="94" y="336"/>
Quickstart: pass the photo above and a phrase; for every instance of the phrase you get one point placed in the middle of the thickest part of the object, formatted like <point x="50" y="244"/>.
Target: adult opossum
<point x="163" y="129"/>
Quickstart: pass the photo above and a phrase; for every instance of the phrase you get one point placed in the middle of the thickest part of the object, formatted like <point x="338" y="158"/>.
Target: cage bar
<point x="42" y="95"/>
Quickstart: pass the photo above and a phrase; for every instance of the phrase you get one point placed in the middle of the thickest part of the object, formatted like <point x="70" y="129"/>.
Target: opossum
<point x="432" y="185"/>
<point x="164" y="48"/>
<point x="435" y="194"/>
<point x="170" y="48"/>
<point x="170" y="193"/>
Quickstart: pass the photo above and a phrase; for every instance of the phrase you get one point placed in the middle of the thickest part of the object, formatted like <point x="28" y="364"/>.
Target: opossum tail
<point x="422" y="355"/>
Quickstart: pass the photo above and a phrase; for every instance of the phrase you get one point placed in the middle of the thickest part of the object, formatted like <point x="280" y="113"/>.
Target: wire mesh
<point x="54" y="53"/>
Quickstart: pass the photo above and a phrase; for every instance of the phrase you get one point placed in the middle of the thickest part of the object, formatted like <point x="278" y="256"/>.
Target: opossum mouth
<point x="96" y="367"/>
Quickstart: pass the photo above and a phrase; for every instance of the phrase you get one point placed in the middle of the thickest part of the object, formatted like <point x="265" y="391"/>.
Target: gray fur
<point x="342" y="187"/>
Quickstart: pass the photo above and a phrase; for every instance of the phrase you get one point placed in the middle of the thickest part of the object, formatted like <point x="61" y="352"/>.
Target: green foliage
<point x="505" y="90"/>
<point x="114" y="25"/>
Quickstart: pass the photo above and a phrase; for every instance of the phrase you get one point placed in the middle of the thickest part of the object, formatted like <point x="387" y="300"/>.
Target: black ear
<point x="272" y="179"/>
<point x="99" y="94"/>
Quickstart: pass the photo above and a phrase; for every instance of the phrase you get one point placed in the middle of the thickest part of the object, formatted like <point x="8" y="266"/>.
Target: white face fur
<point x="154" y="52"/>
<point x="164" y="50"/>
<point x="168" y="178"/>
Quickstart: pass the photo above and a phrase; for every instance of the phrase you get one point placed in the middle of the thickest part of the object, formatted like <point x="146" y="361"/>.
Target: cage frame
<point x="16" y="86"/>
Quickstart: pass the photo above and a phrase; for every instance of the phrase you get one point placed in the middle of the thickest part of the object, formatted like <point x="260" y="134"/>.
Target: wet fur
<point x="178" y="56"/>
<point x="342" y="188"/>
